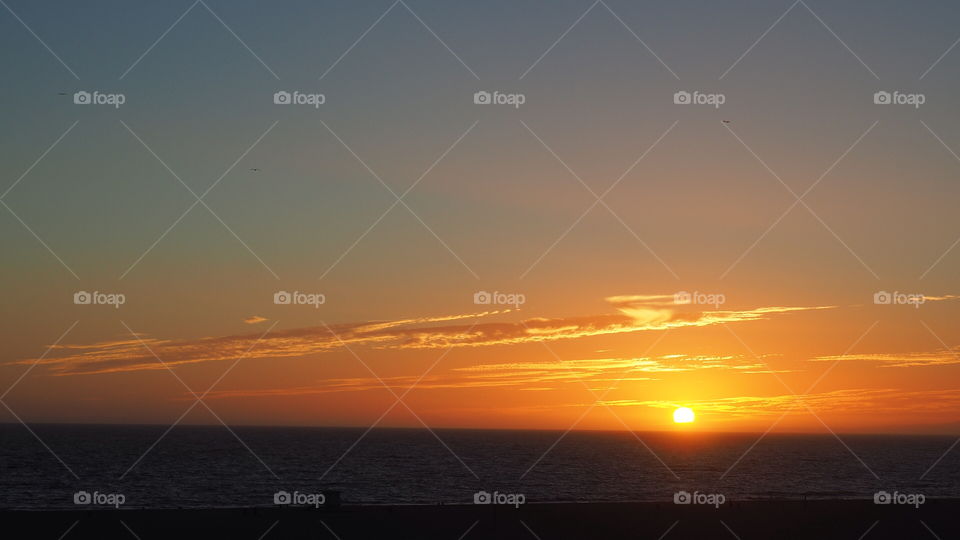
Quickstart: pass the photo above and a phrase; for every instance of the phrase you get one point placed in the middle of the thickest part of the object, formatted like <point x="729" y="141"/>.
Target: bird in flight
<point x="254" y="169"/>
<point x="726" y="121"/>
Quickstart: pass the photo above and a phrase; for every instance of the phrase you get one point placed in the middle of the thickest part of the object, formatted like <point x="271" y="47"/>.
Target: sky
<point x="591" y="208"/>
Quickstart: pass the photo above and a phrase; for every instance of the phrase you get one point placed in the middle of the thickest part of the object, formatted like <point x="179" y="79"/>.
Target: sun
<point x="683" y="415"/>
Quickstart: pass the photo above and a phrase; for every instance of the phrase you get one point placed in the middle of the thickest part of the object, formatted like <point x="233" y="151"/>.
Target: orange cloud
<point x="635" y="314"/>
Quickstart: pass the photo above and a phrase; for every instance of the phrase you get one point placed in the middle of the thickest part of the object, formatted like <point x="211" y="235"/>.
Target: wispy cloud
<point x="254" y="319"/>
<point x="943" y="357"/>
<point x="634" y="313"/>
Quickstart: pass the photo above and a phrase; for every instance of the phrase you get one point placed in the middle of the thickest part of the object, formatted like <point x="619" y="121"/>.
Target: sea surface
<point x="212" y="467"/>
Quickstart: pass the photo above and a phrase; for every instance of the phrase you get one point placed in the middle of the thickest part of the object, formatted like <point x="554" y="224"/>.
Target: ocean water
<point x="207" y="467"/>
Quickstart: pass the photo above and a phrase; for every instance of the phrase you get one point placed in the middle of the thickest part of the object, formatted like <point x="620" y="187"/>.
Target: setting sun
<point x="683" y="415"/>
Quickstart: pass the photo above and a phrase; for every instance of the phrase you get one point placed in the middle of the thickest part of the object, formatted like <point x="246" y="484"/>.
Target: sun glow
<point x="683" y="415"/>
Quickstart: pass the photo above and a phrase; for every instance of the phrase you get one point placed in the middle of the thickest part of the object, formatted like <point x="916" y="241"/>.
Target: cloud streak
<point x="635" y="313"/>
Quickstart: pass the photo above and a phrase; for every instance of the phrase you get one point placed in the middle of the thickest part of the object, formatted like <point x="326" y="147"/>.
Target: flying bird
<point x="254" y="169"/>
<point x="726" y="121"/>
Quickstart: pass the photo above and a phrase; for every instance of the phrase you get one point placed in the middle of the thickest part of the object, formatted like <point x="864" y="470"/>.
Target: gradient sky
<point x="799" y="308"/>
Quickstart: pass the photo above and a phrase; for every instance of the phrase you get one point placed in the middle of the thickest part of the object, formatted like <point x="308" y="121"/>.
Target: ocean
<point x="210" y="467"/>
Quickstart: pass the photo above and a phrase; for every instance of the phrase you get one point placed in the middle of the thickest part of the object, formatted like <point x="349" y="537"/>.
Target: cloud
<point x="634" y="313"/>
<point x="943" y="357"/>
<point x="254" y="319"/>
<point x="598" y="374"/>
<point x="847" y="401"/>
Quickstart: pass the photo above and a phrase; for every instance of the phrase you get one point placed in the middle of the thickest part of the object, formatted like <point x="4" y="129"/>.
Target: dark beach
<point x="746" y="520"/>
